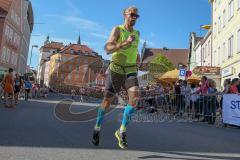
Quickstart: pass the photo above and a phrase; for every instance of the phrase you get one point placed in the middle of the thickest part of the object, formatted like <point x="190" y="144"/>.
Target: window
<point x="16" y="40"/>
<point x="70" y="67"/>
<point x="206" y="50"/>
<point x="224" y="19"/>
<point x="4" y="52"/>
<point x="72" y="51"/>
<point x="214" y="58"/>
<point x="224" y="52"/>
<point x="6" y="31"/>
<point x="219" y="55"/>
<point x="10" y="35"/>
<point x="230" y="47"/>
<point x="69" y="76"/>
<point x="62" y="76"/>
<point x="230" y="9"/>
<point x="214" y="5"/>
<point x="203" y="53"/>
<point x="219" y="24"/>
<point x="215" y="26"/>
<point x="14" y="58"/>
<point x="238" y="4"/>
<point x="76" y="76"/>
<point x="209" y="49"/>
<point x="238" y="40"/>
<point x="7" y="57"/>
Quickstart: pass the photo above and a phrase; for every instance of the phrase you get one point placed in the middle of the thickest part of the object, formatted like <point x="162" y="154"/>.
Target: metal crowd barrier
<point x="190" y="106"/>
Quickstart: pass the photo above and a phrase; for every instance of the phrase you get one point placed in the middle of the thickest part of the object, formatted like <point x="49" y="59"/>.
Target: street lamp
<point x="33" y="46"/>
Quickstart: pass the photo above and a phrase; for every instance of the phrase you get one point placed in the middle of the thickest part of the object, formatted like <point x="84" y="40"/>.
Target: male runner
<point x="123" y="45"/>
<point x="17" y="86"/>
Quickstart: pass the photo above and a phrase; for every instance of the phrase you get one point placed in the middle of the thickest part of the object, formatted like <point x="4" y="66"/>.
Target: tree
<point x="160" y="64"/>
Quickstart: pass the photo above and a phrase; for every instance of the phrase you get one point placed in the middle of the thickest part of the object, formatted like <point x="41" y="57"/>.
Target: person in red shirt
<point x="233" y="88"/>
<point x="204" y="86"/>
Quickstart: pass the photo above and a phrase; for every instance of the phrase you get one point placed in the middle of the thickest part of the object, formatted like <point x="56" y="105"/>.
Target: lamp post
<point x="33" y="46"/>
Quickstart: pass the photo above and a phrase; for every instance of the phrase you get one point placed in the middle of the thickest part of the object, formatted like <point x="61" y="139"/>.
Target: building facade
<point x="206" y="49"/>
<point x="16" y="25"/>
<point x="76" y="65"/>
<point x="226" y="37"/>
<point x="48" y="49"/>
<point x="194" y="46"/>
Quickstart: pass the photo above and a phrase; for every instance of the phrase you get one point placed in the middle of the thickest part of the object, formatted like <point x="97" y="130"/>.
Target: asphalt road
<point x="32" y="132"/>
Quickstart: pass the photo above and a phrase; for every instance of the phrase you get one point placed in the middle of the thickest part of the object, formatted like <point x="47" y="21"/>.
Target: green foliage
<point x="160" y="64"/>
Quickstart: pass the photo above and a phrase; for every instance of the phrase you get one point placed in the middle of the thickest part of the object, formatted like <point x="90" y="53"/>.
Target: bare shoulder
<point x="114" y="34"/>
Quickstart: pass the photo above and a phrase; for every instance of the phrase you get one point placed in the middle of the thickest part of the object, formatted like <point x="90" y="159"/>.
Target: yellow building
<point x="226" y="37"/>
<point x="74" y="65"/>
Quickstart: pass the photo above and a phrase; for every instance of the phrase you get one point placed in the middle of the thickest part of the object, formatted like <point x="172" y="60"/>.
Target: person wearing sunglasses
<point x="122" y="73"/>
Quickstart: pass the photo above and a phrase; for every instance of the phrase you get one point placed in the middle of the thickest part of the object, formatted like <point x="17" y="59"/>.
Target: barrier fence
<point x="190" y="106"/>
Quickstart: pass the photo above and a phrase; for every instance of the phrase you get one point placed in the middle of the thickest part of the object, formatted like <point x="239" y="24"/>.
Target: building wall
<point x="192" y="63"/>
<point x="223" y="30"/>
<point x="198" y="52"/>
<point x="46" y="73"/>
<point x="74" y="70"/>
<point x="15" y="35"/>
<point x="45" y="55"/>
<point x="206" y="49"/>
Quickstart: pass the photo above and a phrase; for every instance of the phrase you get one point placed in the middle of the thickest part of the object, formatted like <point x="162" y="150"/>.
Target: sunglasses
<point x="134" y="15"/>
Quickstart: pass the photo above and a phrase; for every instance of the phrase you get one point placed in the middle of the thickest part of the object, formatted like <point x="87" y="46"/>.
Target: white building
<point x="226" y="37"/>
<point x="46" y="51"/>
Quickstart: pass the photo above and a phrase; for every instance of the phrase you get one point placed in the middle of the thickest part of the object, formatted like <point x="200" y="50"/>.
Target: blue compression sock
<point x="128" y="111"/>
<point x="99" y="118"/>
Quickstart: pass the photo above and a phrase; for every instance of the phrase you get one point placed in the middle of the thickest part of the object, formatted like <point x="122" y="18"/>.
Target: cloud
<point x="82" y="23"/>
<point x="100" y="35"/>
<point x="72" y="7"/>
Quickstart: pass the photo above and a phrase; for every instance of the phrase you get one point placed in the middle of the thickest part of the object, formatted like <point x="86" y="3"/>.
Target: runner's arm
<point x="112" y="46"/>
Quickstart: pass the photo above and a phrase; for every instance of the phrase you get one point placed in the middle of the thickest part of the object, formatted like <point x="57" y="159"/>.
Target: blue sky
<point x="162" y="22"/>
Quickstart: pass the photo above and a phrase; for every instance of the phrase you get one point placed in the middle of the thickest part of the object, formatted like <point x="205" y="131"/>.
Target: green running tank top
<point x="124" y="60"/>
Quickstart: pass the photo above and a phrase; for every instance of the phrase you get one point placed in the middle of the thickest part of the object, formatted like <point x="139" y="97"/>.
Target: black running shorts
<point x="115" y="81"/>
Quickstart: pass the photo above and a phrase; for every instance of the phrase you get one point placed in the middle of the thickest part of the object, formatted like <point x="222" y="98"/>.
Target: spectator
<point x="204" y="86"/>
<point x="178" y="95"/>
<point x="226" y="89"/>
<point x="212" y="102"/>
<point x="193" y="99"/>
<point x="238" y="86"/>
<point x="234" y="84"/>
<point x="203" y="90"/>
<point x="185" y="95"/>
<point x="226" y="85"/>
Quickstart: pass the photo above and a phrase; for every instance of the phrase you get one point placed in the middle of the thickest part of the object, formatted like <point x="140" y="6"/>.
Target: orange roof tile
<point x="76" y="48"/>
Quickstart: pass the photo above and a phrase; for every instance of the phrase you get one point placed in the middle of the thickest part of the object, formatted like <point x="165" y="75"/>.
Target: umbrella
<point x="194" y="78"/>
<point x="170" y="76"/>
<point x="173" y="76"/>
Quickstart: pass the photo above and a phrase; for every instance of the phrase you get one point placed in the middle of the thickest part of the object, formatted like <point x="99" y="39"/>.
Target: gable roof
<point x="176" y="56"/>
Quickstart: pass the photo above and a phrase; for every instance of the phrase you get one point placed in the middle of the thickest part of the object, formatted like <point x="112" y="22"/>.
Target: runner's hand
<point x="127" y="43"/>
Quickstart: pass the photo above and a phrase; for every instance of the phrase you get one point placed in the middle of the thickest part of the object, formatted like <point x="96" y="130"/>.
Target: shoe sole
<point x="118" y="138"/>
<point x="95" y="144"/>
